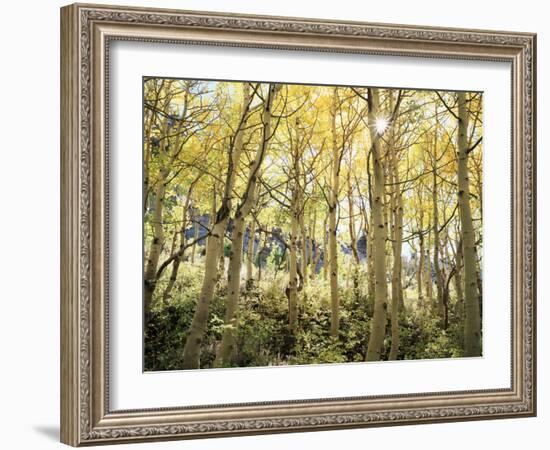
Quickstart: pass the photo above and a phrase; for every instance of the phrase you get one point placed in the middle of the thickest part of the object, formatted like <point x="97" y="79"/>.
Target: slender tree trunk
<point x="459" y="282"/>
<point x="260" y="252"/>
<point x="295" y="217"/>
<point x="437" y="253"/>
<point x="396" y="217"/>
<point x="479" y="284"/>
<point x="370" y="262"/>
<point x="437" y="243"/>
<point x="146" y="162"/>
<point x="192" y="348"/>
<point x="304" y="249"/>
<point x="313" y="249"/>
<point x="293" y="269"/>
<point x="213" y="208"/>
<point x="221" y="257"/>
<point x="332" y="242"/>
<point x="325" y="248"/>
<point x="446" y="274"/>
<point x="150" y="275"/>
<point x="191" y="351"/>
<point x="378" y="327"/>
<point x="446" y="301"/>
<point x="472" y="322"/>
<point x="389" y="227"/>
<point x="196" y="231"/>
<point x="180" y="258"/>
<point x="397" y="289"/>
<point x="397" y="285"/>
<point x="351" y="223"/>
<point x="250" y="251"/>
<point x="227" y="346"/>
<point x="420" y="270"/>
<point x="151" y="119"/>
<point x="174" y="271"/>
<point x="315" y="261"/>
<point x="428" y="276"/>
<point x="226" y="349"/>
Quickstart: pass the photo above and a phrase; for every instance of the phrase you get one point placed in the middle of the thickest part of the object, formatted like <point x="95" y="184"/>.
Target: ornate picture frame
<point x="86" y="34"/>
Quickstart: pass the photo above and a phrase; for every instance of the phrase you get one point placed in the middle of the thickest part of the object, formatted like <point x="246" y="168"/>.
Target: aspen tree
<point x="472" y="320"/>
<point x="378" y="327"/>
<point x="195" y="335"/>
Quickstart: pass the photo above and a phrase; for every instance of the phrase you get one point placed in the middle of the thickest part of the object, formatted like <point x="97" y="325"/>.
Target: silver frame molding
<point x="86" y="31"/>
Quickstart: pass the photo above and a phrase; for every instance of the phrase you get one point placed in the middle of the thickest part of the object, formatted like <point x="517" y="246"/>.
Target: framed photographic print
<point x="276" y="224"/>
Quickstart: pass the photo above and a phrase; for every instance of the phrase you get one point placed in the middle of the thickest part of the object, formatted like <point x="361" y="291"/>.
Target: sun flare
<point x="381" y="125"/>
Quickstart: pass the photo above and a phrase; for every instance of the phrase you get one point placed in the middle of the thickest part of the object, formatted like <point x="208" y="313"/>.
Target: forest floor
<point x="263" y="338"/>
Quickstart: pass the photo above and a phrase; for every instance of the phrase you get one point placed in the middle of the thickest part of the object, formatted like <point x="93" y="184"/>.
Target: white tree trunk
<point x="472" y="322"/>
<point x="378" y="327"/>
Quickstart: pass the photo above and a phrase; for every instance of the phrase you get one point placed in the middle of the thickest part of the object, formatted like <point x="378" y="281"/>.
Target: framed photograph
<point x="277" y="224"/>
